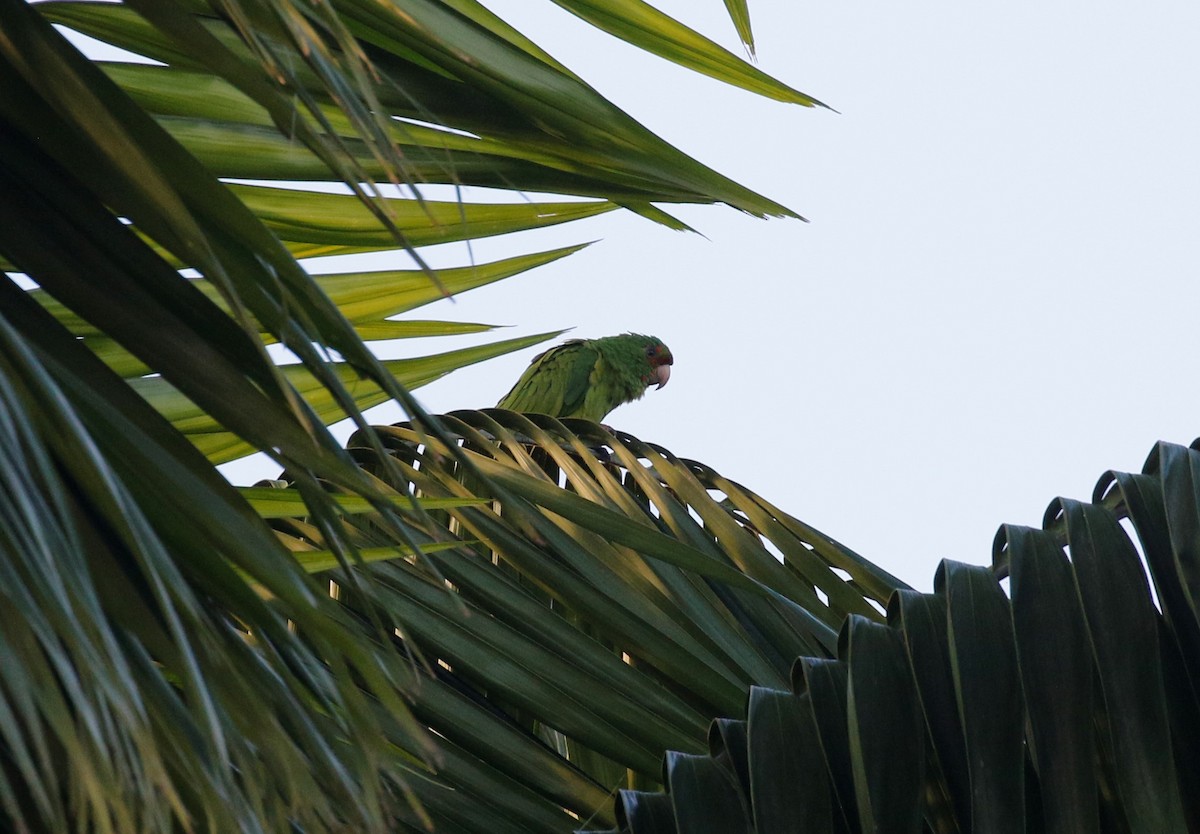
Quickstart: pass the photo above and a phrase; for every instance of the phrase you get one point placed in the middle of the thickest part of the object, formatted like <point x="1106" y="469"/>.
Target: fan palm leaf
<point x="1068" y="704"/>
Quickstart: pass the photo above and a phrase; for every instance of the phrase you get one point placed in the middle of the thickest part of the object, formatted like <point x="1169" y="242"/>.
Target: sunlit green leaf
<point x="280" y="503"/>
<point x="220" y="445"/>
<point x="645" y="26"/>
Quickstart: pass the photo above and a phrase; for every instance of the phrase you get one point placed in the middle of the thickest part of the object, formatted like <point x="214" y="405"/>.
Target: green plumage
<point x="588" y="378"/>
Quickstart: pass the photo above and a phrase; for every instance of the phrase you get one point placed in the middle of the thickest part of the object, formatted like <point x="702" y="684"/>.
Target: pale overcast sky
<point x="991" y="306"/>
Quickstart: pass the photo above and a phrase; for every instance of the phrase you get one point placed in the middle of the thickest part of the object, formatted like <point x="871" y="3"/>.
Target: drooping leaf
<point x="984" y="665"/>
<point x="886" y="738"/>
<point x="704" y="797"/>
<point x="788" y="781"/>
<point x="922" y="621"/>
<point x="503" y="78"/>
<point x="1123" y="633"/>
<point x="1056" y="677"/>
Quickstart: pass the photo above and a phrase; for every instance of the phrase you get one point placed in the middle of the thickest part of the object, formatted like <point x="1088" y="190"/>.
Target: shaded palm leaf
<point x="606" y="602"/>
<point x="1069" y="707"/>
<point x="144" y="682"/>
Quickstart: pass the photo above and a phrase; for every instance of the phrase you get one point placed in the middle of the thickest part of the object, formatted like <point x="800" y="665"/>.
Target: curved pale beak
<point x="663" y="373"/>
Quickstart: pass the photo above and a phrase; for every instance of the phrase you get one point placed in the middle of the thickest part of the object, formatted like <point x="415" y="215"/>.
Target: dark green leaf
<point x="641" y="812"/>
<point x="988" y="688"/>
<point x="923" y="622"/>
<point x="825" y="683"/>
<point x="1121" y="623"/>
<point x="789" y="785"/>
<point x="1140" y="497"/>
<point x="887" y="741"/>
<point x="704" y="796"/>
<point x="1056" y="676"/>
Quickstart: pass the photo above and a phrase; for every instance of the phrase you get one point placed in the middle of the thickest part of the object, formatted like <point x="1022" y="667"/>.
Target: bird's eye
<point x="650" y="351"/>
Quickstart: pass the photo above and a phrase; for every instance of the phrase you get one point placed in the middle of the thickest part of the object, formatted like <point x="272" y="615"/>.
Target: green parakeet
<point x="588" y="378"/>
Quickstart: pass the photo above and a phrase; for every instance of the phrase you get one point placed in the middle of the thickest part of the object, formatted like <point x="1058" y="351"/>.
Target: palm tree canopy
<point x="171" y="662"/>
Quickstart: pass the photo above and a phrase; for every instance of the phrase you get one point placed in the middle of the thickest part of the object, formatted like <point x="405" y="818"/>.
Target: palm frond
<point x="605" y="601"/>
<point x="171" y="663"/>
<point x="503" y="101"/>
<point x="1068" y="704"/>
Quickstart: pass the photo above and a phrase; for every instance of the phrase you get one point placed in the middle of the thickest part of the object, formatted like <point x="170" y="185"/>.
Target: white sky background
<point x="995" y="299"/>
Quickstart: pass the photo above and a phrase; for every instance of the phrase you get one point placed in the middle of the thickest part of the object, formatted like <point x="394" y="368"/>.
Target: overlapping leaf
<point x="522" y="121"/>
<point x="1067" y="708"/>
<point x="169" y="663"/>
<point x="221" y="445"/>
<point x="613" y="602"/>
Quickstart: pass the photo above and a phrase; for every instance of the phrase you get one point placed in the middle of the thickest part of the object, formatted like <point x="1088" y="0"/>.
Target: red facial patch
<point x="657" y="354"/>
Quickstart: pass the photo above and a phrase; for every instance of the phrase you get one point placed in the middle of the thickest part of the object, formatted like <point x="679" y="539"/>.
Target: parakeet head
<point x="659" y="358"/>
<point x="645" y="356"/>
